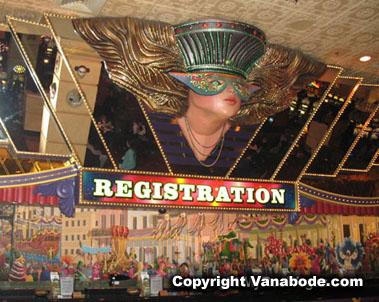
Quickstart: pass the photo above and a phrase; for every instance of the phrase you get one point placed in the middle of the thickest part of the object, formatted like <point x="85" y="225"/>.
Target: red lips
<point x="231" y="100"/>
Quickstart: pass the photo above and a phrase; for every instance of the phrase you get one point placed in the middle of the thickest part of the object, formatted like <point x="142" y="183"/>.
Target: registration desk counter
<point x="40" y="291"/>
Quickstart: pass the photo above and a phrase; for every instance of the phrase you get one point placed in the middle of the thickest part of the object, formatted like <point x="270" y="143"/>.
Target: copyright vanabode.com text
<point x="259" y="281"/>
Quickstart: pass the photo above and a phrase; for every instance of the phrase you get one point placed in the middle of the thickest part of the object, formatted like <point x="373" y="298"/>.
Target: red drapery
<point x="25" y="195"/>
<point x="321" y="207"/>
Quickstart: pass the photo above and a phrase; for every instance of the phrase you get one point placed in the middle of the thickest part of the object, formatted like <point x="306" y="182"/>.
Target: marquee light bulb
<point x="365" y="58"/>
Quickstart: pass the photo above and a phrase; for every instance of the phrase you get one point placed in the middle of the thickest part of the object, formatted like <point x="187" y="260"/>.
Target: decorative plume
<point x="163" y="228"/>
<point x="198" y="225"/>
<point x="179" y="226"/>
<point x="218" y="222"/>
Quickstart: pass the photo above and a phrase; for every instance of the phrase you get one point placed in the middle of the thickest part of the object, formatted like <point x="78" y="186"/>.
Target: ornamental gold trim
<point x="331" y="127"/>
<point x="306" y="125"/>
<point x="37" y="82"/>
<point x="356" y="204"/>
<point x="11" y="147"/>
<point x="37" y="175"/>
<point x="37" y="180"/>
<point x="205" y="208"/>
<point x="356" y="140"/>
<point x="246" y="148"/>
<point x="77" y="84"/>
<point x="163" y="174"/>
<point x="140" y="103"/>
<point x="344" y="197"/>
<point x="370" y="165"/>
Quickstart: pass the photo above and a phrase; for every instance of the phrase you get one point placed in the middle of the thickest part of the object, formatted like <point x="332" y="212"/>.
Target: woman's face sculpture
<point x="220" y="106"/>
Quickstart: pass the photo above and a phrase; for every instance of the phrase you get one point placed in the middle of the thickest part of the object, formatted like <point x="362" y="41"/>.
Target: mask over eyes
<point x="215" y="83"/>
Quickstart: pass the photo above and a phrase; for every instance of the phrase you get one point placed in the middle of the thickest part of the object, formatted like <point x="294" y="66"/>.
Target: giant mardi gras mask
<point x="158" y="63"/>
<point x="147" y="58"/>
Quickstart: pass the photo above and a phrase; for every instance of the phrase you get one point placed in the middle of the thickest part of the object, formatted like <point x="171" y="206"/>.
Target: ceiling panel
<point x="333" y="31"/>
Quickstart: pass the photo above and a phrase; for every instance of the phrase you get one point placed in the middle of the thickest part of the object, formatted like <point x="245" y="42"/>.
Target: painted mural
<point x="178" y="242"/>
<point x="31" y="245"/>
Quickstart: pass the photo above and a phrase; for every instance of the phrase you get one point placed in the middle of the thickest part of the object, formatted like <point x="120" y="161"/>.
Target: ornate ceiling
<point x="334" y="31"/>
